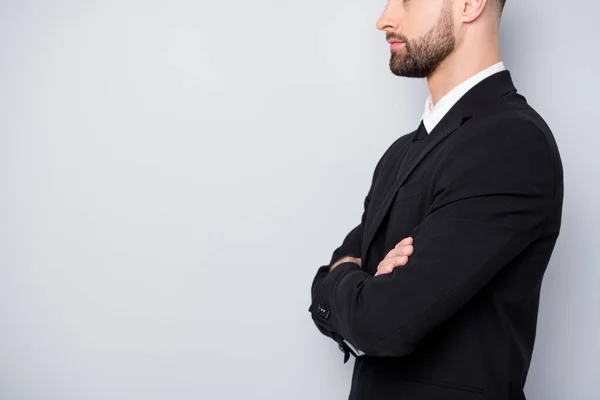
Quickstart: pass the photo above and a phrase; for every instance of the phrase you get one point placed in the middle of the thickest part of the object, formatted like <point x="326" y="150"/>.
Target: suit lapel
<point x="477" y="101"/>
<point x="413" y="159"/>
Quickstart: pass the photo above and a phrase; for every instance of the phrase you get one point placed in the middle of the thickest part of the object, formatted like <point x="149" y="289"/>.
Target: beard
<point x="420" y="57"/>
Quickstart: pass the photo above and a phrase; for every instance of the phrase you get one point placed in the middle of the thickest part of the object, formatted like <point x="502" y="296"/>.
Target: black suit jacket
<point x="482" y="197"/>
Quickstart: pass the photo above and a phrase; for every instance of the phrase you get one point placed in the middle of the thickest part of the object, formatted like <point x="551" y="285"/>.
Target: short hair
<point x="501" y="3"/>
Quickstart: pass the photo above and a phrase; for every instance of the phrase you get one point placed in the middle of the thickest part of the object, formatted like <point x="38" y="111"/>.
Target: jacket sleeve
<point x="351" y="246"/>
<point x="491" y="198"/>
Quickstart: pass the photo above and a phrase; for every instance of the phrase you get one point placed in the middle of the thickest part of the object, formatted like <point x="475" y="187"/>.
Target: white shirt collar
<point x="434" y="114"/>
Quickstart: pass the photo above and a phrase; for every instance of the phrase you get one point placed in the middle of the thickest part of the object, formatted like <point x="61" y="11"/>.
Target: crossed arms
<point x="490" y="204"/>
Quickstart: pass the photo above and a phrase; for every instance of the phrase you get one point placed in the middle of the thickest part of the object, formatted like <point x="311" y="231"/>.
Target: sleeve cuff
<point x="321" y="307"/>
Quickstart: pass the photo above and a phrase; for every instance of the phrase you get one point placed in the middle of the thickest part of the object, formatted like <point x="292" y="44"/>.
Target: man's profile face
<point x="426" y="30"/>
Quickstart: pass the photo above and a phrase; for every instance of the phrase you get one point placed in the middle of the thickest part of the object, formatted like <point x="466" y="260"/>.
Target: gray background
<point x="173" y="174"/>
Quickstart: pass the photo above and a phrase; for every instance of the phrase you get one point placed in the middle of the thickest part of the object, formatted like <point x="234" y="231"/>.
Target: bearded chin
<point x="421" y="61"/>
<point x="406" y="66"/>
<point x="421" y="57"/>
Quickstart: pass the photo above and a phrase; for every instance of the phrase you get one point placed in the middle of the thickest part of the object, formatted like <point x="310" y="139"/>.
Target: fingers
<point x="388" y="264"/>
<point x="346" y="259"/>
<point x="400" y="251"/>
<point x="405" y="241"/>
<point x="396" y="257"/>
<point x="351" y="259"/>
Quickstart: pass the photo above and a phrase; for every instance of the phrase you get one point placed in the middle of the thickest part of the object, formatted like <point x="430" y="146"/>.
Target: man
<point x="436" y="290"/>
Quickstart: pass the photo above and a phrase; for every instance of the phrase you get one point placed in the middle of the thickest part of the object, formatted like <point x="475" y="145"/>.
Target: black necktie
<point x="413" y="147"/>
<point x="421" y="132"/>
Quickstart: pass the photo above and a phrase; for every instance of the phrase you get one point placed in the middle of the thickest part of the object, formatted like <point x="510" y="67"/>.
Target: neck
<point x="460" y="66"/>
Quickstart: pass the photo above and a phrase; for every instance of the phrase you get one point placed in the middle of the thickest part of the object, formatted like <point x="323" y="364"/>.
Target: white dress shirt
<point x="434" y="113"/>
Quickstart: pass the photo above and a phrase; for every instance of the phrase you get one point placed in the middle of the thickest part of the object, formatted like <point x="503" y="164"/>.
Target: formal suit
<point x="481" y="194"/>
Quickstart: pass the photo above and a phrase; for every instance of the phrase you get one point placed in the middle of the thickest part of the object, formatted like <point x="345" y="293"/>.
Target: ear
<point x="470" y="10"/>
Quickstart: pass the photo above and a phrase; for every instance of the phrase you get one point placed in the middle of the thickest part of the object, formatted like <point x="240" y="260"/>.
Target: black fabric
<point x="482" y="197"/>
<point x="421" y="132"/>
<point x="412" y="149"/>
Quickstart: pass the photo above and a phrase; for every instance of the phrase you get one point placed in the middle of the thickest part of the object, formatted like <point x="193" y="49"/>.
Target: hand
<point x="398" y="256"/>
<point x="343" y="260"/>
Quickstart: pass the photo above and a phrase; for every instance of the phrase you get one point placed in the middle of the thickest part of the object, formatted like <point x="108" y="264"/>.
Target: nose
<point x="388" y="19"/>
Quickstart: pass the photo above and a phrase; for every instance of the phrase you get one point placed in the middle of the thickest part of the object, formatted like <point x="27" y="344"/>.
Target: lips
<point x="395" y="44"/>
